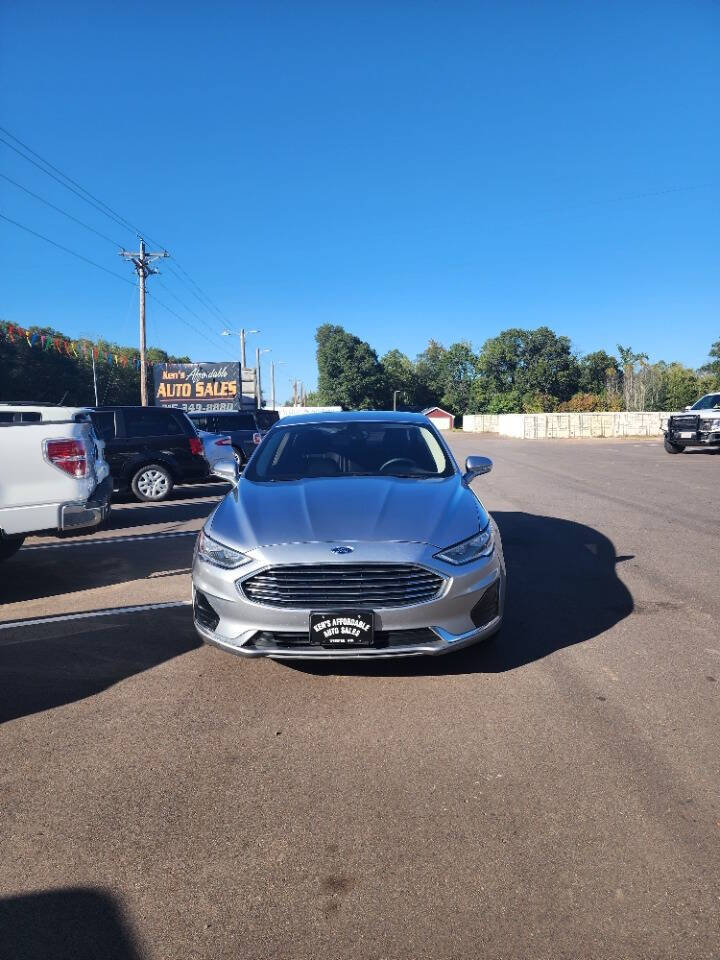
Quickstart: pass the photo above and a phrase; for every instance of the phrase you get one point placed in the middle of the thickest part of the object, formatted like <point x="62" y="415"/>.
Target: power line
<point x="182" y="319"/>
<point x="62" y="184"/>
<point x="108" y="210"/>
<point x="210" y="302"/>
<point x="99" y="266"/>
<point x="76" y="188"/>
<point x="72" y="253"/>
<point x="215" y="314"/>
<point x="189" y="310"/>
<point x="60" y="210"/>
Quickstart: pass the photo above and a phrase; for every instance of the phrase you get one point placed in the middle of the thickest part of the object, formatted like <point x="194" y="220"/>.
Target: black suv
<point x="150" y="449"/>
<point x="246" y="428"/>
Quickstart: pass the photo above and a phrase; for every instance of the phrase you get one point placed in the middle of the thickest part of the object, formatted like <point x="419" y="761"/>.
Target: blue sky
<point x="408" y="169"/>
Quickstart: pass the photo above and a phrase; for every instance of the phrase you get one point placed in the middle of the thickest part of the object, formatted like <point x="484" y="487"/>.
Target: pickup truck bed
<point x="53" y="477"/>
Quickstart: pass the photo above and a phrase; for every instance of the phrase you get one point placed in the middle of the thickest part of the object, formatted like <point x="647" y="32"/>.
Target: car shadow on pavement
<point x="151" y="513"/>
<point x="211" y="488"/>
<point x="76" y="922"/>
<point x="37" y="574"/>
<point x="563" y="589"/>
<point x="43" y="666"/>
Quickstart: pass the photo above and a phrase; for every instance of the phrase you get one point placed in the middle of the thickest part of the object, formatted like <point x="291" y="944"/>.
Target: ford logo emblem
<point x="341" y="550"/>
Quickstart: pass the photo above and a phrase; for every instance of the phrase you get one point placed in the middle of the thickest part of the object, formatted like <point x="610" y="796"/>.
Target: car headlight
<point x="714" y="425"/>
<point x="481" y="545"/>
<point x="211" y="551"/>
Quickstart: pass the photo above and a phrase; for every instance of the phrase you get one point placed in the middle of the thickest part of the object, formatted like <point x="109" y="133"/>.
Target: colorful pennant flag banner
<point x="71" y="348"/>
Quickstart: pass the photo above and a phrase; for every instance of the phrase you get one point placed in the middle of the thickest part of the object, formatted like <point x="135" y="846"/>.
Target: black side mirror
<point x="476" y="467"/>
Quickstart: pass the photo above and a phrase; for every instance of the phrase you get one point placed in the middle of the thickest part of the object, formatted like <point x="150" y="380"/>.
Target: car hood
<point x="703" y="414"/>
<point x="438" y="511"/>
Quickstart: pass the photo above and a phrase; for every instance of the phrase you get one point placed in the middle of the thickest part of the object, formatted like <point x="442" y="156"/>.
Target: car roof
<point x="132" y="406"/>
<point x="356" y="416"/>
<point x="219" y="413"/>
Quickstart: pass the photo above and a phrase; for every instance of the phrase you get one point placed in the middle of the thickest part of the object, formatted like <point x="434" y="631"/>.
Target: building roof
<point x="357" y="416"/>
<point x="428" y="410"/>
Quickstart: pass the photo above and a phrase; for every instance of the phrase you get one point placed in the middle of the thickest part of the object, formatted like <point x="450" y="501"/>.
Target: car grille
<point x="684" y="423"/>
<point x="318" y="586"/>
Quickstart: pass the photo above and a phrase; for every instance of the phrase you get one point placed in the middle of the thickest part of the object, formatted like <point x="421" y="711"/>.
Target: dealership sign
<point x="204" y="386"/>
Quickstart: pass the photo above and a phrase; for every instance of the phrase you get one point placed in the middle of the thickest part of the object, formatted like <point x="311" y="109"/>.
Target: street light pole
<point x="242" y="333"/>
<point x="258" y="385"/>
<point x="92" y="356"/>
<point x="272" y="380"/>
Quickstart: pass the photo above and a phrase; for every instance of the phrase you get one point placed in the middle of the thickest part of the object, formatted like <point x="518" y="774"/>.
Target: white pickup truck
<point x="696" y="426"/>
<point x="53" y="475"/>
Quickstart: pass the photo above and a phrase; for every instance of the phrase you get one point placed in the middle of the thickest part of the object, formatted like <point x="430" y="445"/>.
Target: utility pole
<point x="142" y="260"/>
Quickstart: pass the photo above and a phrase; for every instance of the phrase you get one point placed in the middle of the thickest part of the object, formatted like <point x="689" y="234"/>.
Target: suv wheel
<point x="152" y="482"/>
<point x="671" y="447"/>
<point x="239" y="457"/>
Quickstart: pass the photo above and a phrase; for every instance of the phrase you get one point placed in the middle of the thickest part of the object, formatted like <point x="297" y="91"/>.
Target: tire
<point x="239" y="457"/>
<point x="671" y="447"/>
<point x="9" y="546"/>
<point x="152" y="483"/>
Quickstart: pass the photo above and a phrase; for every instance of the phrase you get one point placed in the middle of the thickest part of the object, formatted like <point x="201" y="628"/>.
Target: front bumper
<point x="456" y="618"/>
<point x="91" y="512"/>
<point x="693" y="438"/>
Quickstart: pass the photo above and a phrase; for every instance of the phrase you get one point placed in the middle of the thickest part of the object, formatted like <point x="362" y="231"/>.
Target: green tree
<point x="681" y="387"/>
<point x="712" y="369"/>
<point x="430" y="373"/>
<point x="42" y="374"/>
<point x="400" y="374"/>
<point x="349" y="372"/>
<point x="530" y="362"/>
<point x="459" y="371"/>
<point x="632" y="369"/>
<point x="596" y="369"/>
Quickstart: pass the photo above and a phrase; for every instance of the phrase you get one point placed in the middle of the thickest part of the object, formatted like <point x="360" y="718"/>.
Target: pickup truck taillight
<point x="70" y="456"/>
<point x="196" y="446"/>
<point x="223" y="442"/>
<point x="257" y="438"/>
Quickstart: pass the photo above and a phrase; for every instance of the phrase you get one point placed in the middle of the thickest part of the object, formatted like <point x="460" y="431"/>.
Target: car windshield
<point x="356" y="449"/>
<point x="710" y="402"/>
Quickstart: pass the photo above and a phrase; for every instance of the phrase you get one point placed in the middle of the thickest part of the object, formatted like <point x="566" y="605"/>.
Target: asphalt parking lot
<point x="552" y="794"/>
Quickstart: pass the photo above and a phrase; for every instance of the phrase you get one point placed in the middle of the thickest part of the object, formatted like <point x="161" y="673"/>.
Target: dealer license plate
<point x="343" y="628"/>
<point x="687" y="435"/>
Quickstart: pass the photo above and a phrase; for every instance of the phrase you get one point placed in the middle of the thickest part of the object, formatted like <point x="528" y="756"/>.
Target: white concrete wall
<point x="296" y="411"/>
<point x="538" y="426"/>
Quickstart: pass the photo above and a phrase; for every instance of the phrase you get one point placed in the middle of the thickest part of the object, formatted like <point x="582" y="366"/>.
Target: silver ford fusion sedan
<point x="349" y="535"/>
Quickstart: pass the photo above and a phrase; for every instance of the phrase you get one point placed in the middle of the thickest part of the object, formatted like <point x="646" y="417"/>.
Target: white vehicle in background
<point x="53" y="475"/>
<point x="215" y="446"/>
<point x="697" y="426"/>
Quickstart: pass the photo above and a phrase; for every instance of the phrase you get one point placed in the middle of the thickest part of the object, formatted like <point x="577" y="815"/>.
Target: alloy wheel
<point x="153" y="484"/>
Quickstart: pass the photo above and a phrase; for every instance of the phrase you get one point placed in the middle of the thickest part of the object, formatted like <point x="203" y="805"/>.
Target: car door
<point x="162" y="437"/>
<point x="132" y="446"/>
